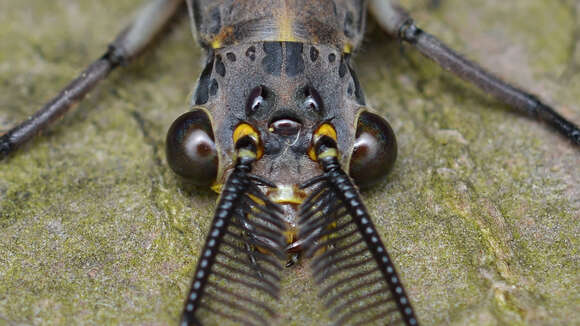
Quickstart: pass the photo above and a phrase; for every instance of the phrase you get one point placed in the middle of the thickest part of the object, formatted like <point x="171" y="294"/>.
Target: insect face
<point x="286" y="90"/>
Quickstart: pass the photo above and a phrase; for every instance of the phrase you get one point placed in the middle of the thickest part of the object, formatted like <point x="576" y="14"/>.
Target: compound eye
<point x="375" y="150"/>
<point x="190" y="148"/>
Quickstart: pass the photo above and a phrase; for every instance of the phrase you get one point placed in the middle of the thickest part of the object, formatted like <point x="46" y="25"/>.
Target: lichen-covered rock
<point x="480" y="213"/>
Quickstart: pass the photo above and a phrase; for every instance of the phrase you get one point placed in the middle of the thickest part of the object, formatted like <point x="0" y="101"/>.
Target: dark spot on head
<point x="201" y="92"/>
<point x="313" y="100"/>
<point x="360" y="97"/>
<point x="231" y="56"/>
<point x="331" y="57"/>
<point x="342" y="68"/>
<point x="213" y="87"/>
<point x="349" y="24"/>
<point x="313" y="54"/>
<point x="350" y="90"/>
<point x="272" y="62"/>
<point x="294" y="60"/>
<point x="220" y="68"/>
<point x="256" y="100"/>
<point x="215" y="25"/>
<point x="251" y="53"/>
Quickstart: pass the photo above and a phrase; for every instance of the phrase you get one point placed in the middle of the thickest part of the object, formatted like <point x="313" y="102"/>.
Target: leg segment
<point x="397" y="23"/>
<point x="129" y="43"/>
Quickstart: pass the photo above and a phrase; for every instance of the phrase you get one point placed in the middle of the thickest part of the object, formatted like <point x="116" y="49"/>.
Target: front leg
<point x="399" y="24"/>
<point x="130" y="42"/>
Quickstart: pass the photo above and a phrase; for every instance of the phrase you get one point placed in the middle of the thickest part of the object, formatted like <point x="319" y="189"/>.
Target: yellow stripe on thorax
<point x="285" y="22"/>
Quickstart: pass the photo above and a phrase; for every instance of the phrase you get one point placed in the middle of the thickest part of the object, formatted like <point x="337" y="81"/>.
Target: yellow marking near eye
<point x="216" y="44"/>
<point x="243" y="130"/>
<point x="347" y="48"/>
<point x="324" y="130"/>
<point x="217" y="187"/>
<point x="218" y="41"/>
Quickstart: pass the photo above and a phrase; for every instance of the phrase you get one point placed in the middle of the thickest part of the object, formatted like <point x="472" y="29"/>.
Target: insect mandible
<point x="91" y="267"/>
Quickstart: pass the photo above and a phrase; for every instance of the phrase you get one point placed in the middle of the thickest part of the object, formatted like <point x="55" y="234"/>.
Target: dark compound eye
<point x="255" y="100"/>
<point x="190" y="148"/>
<point x="375" y="150"/>
<point x="313" y="100"/>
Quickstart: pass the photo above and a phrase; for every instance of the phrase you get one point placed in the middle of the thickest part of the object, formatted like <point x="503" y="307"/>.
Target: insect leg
<point x="396" y="22"/>
<point x="150" y="20"/>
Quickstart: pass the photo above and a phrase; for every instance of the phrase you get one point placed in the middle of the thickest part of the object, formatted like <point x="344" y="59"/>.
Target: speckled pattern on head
<point x="288" y="48"/>
<point x="287" y="72"/>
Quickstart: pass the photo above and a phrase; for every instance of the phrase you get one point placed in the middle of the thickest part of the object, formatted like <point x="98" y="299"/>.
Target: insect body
<point x="297" y="122"/>
<point x="285" y="127"/>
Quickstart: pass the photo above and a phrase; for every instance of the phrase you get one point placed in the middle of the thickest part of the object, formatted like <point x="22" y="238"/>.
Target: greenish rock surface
<point x="481" y="212"/>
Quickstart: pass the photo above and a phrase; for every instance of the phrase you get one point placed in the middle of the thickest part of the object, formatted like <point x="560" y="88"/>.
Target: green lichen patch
<point x="480" y="212"/>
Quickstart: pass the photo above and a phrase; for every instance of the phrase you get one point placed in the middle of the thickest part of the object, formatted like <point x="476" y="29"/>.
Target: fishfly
<point x="279" y="126"/>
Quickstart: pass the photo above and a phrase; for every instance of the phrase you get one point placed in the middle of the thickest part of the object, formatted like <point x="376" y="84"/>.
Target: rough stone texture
<point x="480" y="213"/>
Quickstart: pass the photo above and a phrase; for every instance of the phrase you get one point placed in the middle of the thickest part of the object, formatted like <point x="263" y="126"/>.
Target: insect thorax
<point x="339" y="23"/>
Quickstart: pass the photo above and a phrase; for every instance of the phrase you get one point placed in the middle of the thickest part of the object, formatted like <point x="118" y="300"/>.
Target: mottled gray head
<point x="285" y="91"/>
